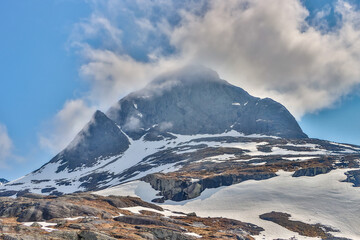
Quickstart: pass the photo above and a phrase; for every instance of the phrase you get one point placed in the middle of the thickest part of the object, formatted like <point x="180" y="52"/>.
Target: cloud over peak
<point x="269" y="49"/>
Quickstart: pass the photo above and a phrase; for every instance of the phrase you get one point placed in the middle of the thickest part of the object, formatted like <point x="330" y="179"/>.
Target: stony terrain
<point x="86" y="216"/>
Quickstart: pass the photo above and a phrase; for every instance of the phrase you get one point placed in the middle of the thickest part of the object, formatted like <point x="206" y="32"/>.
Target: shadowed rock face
<point x="177" y="189"/>
<point x="195" y="100"/>
<point x="101" y="137"/>
<point x="353" y="177"/>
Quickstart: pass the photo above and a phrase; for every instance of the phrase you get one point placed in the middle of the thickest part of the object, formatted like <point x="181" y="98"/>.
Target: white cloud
<point x="165" y="125"/>
<point x="132" y="124"/>
<point x="96" y="27"/>
<point x="268" y="49"/>
<point x="65" y="125"/>
<point x="6" y="146"/>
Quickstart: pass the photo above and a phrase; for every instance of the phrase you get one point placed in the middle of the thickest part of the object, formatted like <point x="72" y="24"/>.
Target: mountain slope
<point x="100" y="137"/>
<point x="182" y="121"/>
<point x="193" y="142"/>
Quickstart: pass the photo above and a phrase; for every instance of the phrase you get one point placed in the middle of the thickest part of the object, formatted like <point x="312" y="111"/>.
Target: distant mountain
<point x="3" y="181"/>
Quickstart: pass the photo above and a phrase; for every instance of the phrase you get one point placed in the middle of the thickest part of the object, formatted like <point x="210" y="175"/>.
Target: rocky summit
<point x="194" y="100"/>
<point x="191" y="141"/>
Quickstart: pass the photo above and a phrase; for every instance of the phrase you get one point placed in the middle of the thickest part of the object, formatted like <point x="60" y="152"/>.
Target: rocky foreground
<point x="87" y="216"/>
<point x="94" y="217"/>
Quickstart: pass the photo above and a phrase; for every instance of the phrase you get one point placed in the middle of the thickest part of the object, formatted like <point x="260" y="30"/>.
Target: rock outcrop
<point x="179" y="189"/>
<point x="304" y="229"/>
<point x="30" y="209"/>
<point x="353" y="177"/>
<point x="312" y="171"/>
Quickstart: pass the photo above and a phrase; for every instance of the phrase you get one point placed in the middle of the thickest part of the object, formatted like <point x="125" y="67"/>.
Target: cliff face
<point x="178" y="189"/>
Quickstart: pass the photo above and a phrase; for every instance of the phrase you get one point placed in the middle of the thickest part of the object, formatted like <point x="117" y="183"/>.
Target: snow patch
<point x="166" y="213"/>
<point x="44" y="225"/>
<point x="193" y="235"/>
<point x="308" y="199"/>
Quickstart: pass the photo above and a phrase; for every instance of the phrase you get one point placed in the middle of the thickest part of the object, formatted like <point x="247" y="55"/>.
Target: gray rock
<point x="76" y="226"/>
<point x="90" y="235"/>
<point x="65" y="235"/>
<point x="35" y="224"/>
<point x="10" y="237"/>
<point x="30" y="211"/>
<point x="192" y="214"/>
<point x="353" y="177"/>
<point x="183" y="189"/>
<point x="147" y="235"/>
<point x="167" y="234"/>
<point x="313" y="171"/>
<point x="240" y="237"/>
<point x="142" y="220"/>
<point x="34" y="196"/>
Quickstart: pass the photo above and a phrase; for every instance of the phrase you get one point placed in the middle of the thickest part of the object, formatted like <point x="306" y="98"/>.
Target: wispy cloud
<point x="6" y="147"/>
<point x="65" y="125"/>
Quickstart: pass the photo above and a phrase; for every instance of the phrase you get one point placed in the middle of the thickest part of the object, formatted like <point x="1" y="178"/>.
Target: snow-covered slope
<point x="159" y="119"/>
<point x="321" y="199"/>
<point x="205" y="151"/>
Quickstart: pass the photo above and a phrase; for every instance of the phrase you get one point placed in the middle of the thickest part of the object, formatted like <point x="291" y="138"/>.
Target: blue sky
<point x="49" y="58"/>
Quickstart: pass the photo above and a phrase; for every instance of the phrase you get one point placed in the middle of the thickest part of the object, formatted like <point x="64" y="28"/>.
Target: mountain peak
<point x="194" y="100"/>
<point x="99" y="115"/>
<point x="101" y="137"/>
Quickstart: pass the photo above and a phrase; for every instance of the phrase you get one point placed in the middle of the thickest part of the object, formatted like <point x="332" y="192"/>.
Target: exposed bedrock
<point x="313" y="171"/>
<point x="30" y="207"/>
<point x="353" y="177"/>
<point x="179" y="189"/>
